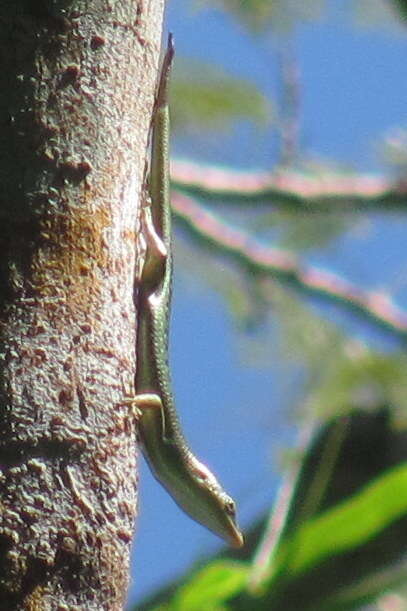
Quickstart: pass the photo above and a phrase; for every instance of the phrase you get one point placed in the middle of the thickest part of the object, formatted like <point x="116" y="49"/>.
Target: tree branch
<point x="285" y="267"/>
<point x="325" y="192"/>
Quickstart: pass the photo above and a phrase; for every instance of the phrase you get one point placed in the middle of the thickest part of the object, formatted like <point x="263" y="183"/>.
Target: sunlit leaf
<point x="210" y="587"/>
<point x="345" y="519"/>
<point x="347" y="526"/>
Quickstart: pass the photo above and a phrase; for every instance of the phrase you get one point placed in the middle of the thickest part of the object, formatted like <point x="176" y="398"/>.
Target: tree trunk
<point x="76" y="93"/>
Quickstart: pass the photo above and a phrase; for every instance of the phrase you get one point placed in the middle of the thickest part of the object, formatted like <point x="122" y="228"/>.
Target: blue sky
<point x="354" y="88"/>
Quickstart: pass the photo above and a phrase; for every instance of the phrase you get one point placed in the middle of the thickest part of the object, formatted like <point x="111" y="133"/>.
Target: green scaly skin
<point x="193" y="487"/>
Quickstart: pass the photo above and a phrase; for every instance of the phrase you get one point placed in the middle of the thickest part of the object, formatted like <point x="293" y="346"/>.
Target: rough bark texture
<point x="76" y="94"/>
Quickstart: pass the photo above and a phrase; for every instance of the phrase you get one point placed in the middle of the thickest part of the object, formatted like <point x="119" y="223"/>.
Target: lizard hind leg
<point x="156" y="254"/>
<point x="150" y="417"/>
<point x="147" y="400"/>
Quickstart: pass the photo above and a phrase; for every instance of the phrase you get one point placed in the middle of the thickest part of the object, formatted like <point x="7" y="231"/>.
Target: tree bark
<point x="76" y="93"/>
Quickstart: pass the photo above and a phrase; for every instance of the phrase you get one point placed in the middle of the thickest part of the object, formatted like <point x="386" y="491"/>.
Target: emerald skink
<point x="194" y="488"/>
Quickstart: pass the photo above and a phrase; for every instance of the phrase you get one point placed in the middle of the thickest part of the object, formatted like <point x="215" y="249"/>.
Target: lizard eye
<point x="230" y="507"/>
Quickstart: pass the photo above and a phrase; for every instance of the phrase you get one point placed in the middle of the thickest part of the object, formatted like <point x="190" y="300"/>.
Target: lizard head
<point x="216" y="509"/>
<point x="191" y="484"/>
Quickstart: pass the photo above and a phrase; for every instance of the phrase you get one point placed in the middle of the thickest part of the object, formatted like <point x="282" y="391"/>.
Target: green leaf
<point x="211" y="587"/>
<point x="350" y="524"/>
<point x="338" y="535"/>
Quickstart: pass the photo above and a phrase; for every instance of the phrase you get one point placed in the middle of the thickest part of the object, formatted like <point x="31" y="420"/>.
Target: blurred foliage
<point x="258" y="15"/>
<point x="339" y="370"/>
<point x="394" y="148"/>
<point x="336" y="538"/>
<point x="345" y="521"/>
<point x="209" y="588"/>
<point x="401" y="6"/>
<point x="361" y="376"/>
<point x="204" y="97"/>
<point x="304" y="231"/>
<point x="380" y="13"/>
